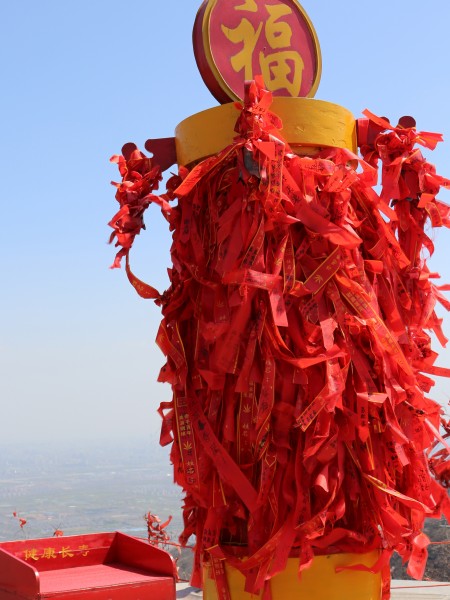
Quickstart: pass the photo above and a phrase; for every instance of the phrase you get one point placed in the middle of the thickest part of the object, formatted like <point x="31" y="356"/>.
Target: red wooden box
<point x="102" y="566"/>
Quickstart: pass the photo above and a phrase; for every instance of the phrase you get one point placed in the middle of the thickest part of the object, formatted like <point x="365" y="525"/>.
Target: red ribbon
<point x="296" y="335"/>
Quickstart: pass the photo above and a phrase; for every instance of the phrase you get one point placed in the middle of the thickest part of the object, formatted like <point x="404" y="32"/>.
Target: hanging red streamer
<point x="296" y="335"/>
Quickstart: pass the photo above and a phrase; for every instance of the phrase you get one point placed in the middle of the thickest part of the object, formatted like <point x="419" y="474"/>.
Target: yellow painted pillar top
<point x="308" y="125"/>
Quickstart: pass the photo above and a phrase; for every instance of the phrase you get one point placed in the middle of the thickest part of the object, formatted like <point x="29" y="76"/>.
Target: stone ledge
<point x="401" y="590"/>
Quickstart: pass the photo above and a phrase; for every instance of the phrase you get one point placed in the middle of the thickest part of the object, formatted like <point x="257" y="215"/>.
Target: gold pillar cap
<point x="308" y="125"/>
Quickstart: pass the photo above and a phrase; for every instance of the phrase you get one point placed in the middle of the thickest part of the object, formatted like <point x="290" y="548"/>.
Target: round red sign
<point x="236" y="40"/>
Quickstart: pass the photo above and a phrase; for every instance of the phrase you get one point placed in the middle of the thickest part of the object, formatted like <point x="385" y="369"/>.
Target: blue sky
<point x="79" y="79"/>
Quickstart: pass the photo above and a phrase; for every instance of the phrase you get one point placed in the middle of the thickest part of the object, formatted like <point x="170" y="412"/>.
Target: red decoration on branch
<point x="58" y="533"/>
<point x="156" y="530"/>
<point x="295" y="331"/>
<point x="22" y="522"/>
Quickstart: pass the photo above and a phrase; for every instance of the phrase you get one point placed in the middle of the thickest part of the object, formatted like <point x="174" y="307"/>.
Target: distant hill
<point x="438" y="565"/>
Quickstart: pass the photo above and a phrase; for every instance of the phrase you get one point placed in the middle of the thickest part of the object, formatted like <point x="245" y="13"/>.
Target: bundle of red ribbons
<point x="296" y="335"/>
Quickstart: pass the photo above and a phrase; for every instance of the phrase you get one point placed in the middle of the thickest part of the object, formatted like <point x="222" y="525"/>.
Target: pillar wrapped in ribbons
<point x="296" y="330"/>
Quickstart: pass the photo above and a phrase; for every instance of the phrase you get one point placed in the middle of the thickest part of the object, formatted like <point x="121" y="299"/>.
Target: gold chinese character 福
<point x="282" y="69"/>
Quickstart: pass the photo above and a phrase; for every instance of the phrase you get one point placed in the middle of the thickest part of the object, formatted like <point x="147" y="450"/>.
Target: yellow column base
<point x="319" y="582"/>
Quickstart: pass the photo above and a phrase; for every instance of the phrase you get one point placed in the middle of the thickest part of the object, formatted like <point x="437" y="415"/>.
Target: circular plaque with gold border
<point x="237" y="40"/>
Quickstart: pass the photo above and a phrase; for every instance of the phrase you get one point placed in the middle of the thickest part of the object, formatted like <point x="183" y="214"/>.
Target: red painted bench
<point x="101" y="566"/>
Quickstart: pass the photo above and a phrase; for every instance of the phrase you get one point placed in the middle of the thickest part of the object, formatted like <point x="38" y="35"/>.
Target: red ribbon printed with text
<point x="296" y="331"/>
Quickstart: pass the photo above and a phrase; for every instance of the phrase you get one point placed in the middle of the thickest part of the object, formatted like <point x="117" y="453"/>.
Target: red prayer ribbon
<point x="296" y="336"/>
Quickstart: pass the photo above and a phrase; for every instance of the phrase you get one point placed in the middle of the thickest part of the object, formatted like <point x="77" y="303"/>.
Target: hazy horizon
<point x="78" y="360"/>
